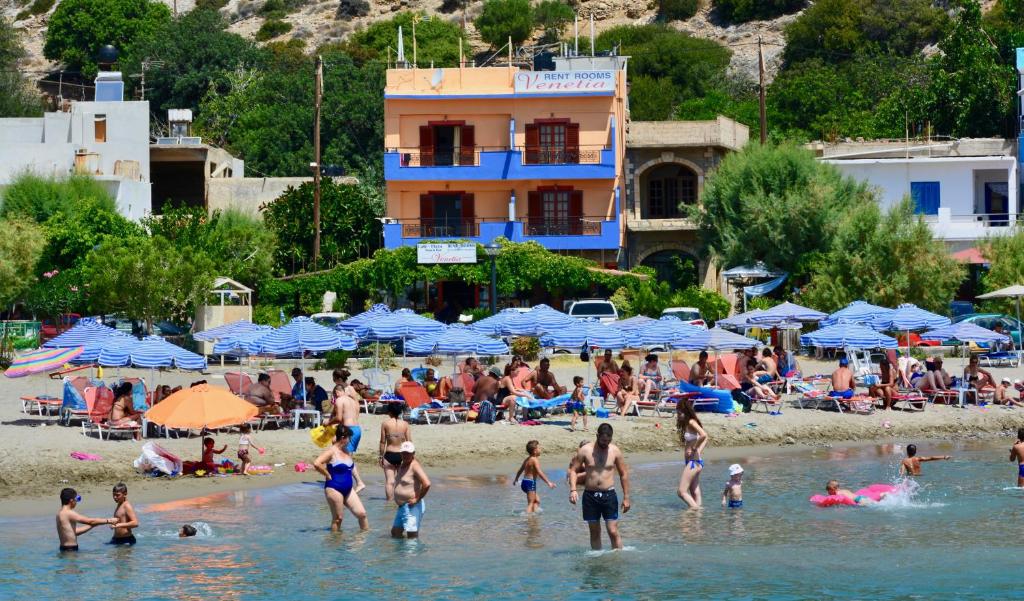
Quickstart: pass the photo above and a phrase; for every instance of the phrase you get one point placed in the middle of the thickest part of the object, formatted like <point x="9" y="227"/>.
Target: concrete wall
<point x="247" y="193"/>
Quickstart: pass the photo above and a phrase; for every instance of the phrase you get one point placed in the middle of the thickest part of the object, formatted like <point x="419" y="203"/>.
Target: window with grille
<point x="669" y="187"/>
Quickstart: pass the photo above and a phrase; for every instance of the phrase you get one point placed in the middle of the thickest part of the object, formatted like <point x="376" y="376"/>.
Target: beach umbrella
<point x="858" y="312"/>
<point x="632" y="323"/>
<point x="298" y="336"/>
<point x="151" y="352"/>
<point x="457" y="339"/>
<point x="201" y="407"/>
<point x="41" y="360"/>
<point x="848" y="335"/>
<point x="539" y="320"/>
<point x="786" y="313"/>
<point x="907" y="318"/>
<point x="403" y="323"/>
<point x="590" y="333"/>
<point x="740" y="320"/>
<point x="350" y="324"/>
<point x="716" y="339"/>
<point x="1015" y="292"/>
<point x="228" y="330"/>
<point x="84" y="333"/>
<point x="965" y="332"/>
<point x="493" y="325"/>
<point x="665" y="331"/>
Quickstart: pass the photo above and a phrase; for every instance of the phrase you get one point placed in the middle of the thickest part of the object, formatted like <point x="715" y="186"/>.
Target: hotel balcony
<point x="495" y="164"/>
<point x="582" y="233"/>
<point x="970" y="227"/>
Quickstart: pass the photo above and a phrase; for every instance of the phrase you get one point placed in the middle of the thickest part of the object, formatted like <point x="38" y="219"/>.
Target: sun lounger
<point x="44" y="405"/>
<point x="73" y="406"/>
<point x="377" y="379"/>
<point x="422" y="406"/>
<point x="100" y="401"/>
<point x="909" y="401"/>
<point x="239" y="383"/>
<point x="999" y="359"/>
<point x="680" y="370"/>
<point x="59" y="375"/>
<point x="280" y="383"/>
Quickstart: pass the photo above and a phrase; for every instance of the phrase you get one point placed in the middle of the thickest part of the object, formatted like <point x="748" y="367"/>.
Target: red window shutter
<point x="572" y="143"/>
<point x="467" y="146"/>
<point x="534" y="210"/>
<point x="468" y="215"/>
<point x="576" y="212"/>
<point x="426" y="207"/>
<point x="426" y="146"/>
<point x="532" y="143"/>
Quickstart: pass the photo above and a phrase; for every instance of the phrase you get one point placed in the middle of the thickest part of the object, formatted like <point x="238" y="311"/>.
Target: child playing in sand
<point x="207" y="463"/>
<point x="732" y="496"/>
<point x="575" y="405"/>
<point x="244" y="442"/>
<point x="531" y="471"/>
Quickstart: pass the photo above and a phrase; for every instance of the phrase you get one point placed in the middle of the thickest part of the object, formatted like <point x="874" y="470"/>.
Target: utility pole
<point x="760" y="71"/>
<point x="317" y="97"/>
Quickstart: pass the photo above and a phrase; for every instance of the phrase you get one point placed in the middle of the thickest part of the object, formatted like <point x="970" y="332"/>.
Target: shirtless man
<point x="125" y="517"/>
<point x="346" y="413"/>
<point x="767" y="369"/>
<point x="542" y="379"/>
<point x="261" y="395"/>
<point x="411" y="485"/>
<point x="599" y="461"/>
<point x="911" y="466"/>
<point x="842" y="380"/>
<point x="473" y="368"/>
<point x="701" y="373"/>
<point x="1017" y="454"/>
<point x="71" y="524"/>
<point x="607" y="364"/>
<point x="486" y="388"/>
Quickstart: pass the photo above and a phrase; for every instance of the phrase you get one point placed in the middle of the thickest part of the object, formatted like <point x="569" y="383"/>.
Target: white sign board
<point x="446" y="253"/>
<point x="546" y="82"/>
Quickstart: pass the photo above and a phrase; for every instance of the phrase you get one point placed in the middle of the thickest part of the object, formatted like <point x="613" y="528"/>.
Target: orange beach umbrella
<point x="201" y="407"/>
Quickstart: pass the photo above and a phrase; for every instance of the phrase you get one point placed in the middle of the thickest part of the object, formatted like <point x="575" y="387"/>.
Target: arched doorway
<point x="665" y="189"/>
<point x="679" y="269"/>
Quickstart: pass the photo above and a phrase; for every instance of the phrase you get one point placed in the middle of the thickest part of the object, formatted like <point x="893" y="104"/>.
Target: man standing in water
<point x="1017" y="454"/>
<point x="911" y="466"/>
<point x="598" y="460"/>
<point x="411" y="485"/>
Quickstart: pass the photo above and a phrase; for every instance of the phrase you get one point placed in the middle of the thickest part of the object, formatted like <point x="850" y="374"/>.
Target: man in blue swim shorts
<point x="1017" y="454"/>
<point x="346" y="413"/>
<point x="842" y="380"/>
<point x="599" y="461"/>
<point x="411" y="485"/>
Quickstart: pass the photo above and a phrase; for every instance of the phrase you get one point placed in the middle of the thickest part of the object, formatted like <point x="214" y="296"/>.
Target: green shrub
<point x="712" y="305"/>
<point x="526" y="347"/>
<point x="211" y="4"/>
<point x="553" y="16"/>
<point x="377" y="354"/>
<point x="268" y="315"/>
<point x="272" y="28"/>
<point x="678" y="10"/>
<point x="478" y="313"/>
<point x="332" y="360"/>
<point x="749" y="10"/>
<point x="502" y="19"/>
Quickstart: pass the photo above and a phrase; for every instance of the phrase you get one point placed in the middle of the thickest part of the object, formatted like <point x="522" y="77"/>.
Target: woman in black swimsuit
<point x="393" y="432"/>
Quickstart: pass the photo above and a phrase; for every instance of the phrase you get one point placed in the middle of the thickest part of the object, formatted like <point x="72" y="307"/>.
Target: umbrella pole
<point x="1020" y="336"/>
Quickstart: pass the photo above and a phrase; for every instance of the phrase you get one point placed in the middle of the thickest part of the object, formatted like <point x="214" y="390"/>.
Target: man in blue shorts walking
<point x="599" y="461"/>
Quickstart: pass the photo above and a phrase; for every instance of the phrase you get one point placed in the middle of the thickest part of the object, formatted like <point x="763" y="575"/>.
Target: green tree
<point x="677" y="10"/>
<point x="867" y="261"/>
<point x="651" y="99"/>
<point x="1006" y="266"/>
<point x="838" y="30"/>
<point x="20" y="248"/>
<point x="504" y="19"/>
<point x="552" y="16"/>
<point x="191" y="55"/>
<point x="266" y="116"/>
<point x="437" y="40"/>
<point x="349" y="226"/>
<point x="973" y="91"/>
<point x="148" y="279"/>
<point x="775" y="204"/>
<point x="79" y="28"/>
<point x="74" y="231"/>
<point x="38" y="198"/>
<point x="56" y="293"/>
<point x="736" y="99"/>
<point x="738" y="11"/>
<point x="17" y="98"/>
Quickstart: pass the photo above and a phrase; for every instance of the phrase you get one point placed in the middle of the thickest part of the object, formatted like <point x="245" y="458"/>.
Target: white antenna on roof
<point x="401" y="47"/>
<point x="576" y="34"/>
<point x="591" y="34"/>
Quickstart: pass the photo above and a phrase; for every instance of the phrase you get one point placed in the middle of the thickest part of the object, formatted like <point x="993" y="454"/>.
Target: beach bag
<point x="457" y="396"/>
<point x="738" y="396"/>
<point x="485" y="413"/>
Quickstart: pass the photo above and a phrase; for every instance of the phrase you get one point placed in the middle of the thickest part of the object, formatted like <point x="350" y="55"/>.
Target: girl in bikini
<point x="393" y="432"/>
<point x="336" y="465"/>
<point x="694" y="439"/>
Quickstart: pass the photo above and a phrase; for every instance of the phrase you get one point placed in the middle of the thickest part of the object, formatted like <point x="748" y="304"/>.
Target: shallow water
<point x="956" y="535"/>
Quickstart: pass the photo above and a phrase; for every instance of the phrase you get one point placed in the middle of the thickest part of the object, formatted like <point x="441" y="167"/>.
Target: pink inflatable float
<point x="873" y="492"/>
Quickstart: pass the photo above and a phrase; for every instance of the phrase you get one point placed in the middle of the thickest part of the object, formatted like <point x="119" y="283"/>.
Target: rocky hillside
<point x="318" y="21"/>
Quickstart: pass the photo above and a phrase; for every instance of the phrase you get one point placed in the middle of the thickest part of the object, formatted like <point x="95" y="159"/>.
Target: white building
<point x="107" y="139"/>
<point x="967" y="190"/>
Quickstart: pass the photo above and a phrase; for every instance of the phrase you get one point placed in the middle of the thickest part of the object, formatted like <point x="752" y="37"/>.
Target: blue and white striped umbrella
<point x="352" y="323"/>
<point x="228" y="330"/>
<point x="965" y="332"/>
<point x="86" y="332"/>
<point x="786" y="313"/>
<point x="238" y="344"/>
<point x="455" y="340"/>
<point x="590" y="333"/>
<point x="858" y="312"/>
<point x="493" y="325"/>
<point x="632" y="323"/>
<point x="299" y="335"/>
<point x="151" y="352"/>
<point x="393" y="325"/>
<point x="848" y="335"/>
<point x="540" y="320"/>
<point x="908" y="317"/>
<point x="666" y="331"/>
<point x="715" y="339"/>
<point x="740" y="320"/>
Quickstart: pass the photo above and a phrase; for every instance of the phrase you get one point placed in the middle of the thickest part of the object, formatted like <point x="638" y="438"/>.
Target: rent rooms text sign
<point x="538" y="82"/>
<point x="458" y="252"/>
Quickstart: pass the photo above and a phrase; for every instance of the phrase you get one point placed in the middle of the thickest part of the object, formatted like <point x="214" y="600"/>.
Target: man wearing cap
<point x="411" y="485"/>
<point x="486" y="388"/>
<point x="842" y="380"/>
<point x="599" y="460"/>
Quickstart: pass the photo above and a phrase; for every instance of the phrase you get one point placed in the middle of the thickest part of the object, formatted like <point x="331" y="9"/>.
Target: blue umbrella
<point x="393" y="325"/>
<point x="965" y="332"/>
<point x="666" y="331"/>
<point x="237" y="345"/>
<point x="848" y="335"/>
<point x="85" y="333"/>
<point x="786" y="313"/>
<point x="151" y="352"/>
<point x="299" y="335"/>
<point x="590" y="333"/>
<point x="740" y="320"/>
<point x="228" y="330"/>
<point x="633" y="323"/>
<point x="494" y="324"/>
<point x="542" y="319"/>
<point x="457" y="339"/>
<point x="715" y="339"/>
<point x="350" y="324"/>
<point x="908" y="317"/>
<point x="858" y="312"/>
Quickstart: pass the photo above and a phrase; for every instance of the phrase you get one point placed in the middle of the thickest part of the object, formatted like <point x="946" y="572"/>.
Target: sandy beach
<point x="35" y="453"/>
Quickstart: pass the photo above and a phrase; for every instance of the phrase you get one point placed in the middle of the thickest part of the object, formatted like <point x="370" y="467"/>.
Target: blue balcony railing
<point x="578" y="233"/>
<point x="488" y="163"/>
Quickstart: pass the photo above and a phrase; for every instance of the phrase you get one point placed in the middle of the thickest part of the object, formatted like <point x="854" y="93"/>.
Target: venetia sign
<point x="534" y="82"/>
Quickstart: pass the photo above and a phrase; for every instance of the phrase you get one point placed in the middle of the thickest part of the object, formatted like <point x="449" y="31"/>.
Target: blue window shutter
<point x="926" y="197"/>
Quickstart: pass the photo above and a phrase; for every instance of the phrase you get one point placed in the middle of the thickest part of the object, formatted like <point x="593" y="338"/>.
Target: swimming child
<point x="186" y="531"/>
<point x="71" y="524"/>
<point x="575" y="405"/>
<point x="911" y="466"/>
<point x="732" y="496"/>
<point x="1017" y="454"/>
<point x="531" y="471"/>
<point x="244" y="442"/>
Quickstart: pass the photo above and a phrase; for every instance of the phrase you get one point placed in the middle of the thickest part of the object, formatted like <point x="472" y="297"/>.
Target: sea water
<point x="954" y="534"/>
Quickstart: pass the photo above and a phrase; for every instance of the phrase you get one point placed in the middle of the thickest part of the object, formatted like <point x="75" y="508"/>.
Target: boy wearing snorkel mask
<point x="69" y="520"/>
